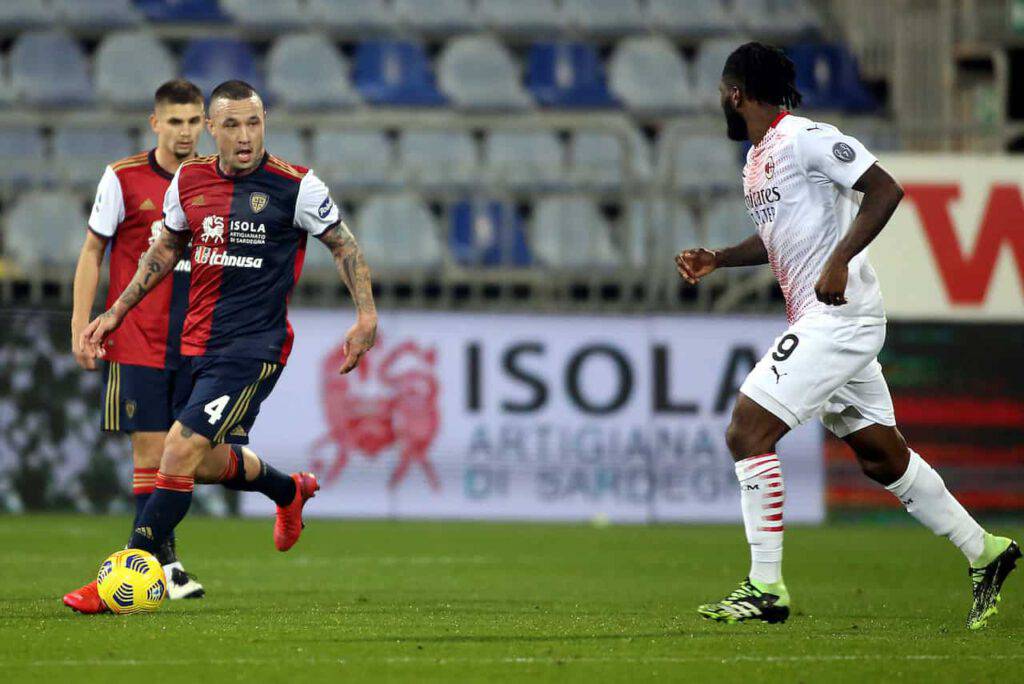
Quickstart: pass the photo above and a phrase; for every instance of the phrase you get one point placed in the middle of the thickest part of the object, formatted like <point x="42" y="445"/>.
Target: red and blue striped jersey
<point x="248" y="242"/>
<point x="127" y="212"/>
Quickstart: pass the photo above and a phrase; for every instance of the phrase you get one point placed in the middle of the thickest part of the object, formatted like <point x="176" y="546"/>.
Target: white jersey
<point x="798" y="187"/>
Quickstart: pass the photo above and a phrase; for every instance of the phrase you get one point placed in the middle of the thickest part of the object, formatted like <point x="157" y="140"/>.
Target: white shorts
<point x="824" y="366"/>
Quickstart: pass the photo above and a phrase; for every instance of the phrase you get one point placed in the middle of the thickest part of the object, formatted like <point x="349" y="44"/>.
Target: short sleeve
<point x="825" y="153"/>
<point x="315" y="211"/>
<point x="174" y="215"/>
<point x="108" y="209"/>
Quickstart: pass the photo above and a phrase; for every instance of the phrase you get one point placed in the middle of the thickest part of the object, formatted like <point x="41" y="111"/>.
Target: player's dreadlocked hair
<point x="233" y="90"/>
<point x="765" y="74"/>
<point x="178" y="91"/>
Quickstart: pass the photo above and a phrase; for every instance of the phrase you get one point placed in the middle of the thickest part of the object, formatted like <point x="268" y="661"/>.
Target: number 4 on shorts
<point x="215" y="409"/>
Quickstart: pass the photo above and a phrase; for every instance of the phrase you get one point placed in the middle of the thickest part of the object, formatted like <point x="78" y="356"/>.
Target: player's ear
<point x="153" y="122"/>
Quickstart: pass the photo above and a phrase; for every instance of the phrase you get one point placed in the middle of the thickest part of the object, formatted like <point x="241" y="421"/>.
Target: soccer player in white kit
<point x="817" y="199"/>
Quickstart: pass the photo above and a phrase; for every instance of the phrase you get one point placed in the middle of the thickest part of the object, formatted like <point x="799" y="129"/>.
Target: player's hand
<point x="831" y="286"/>
<point x="358" y="340"/>
<point x="84" y="360"/>
<point x="95" y="334"/>
<point x="694" y="264"/>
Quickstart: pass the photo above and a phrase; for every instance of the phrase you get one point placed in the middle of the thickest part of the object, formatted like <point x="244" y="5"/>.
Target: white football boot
<point x="180" y="584"/>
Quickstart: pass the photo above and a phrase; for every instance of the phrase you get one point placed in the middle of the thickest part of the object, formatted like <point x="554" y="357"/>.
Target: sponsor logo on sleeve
<point x="325" y="207"/>
<point x="843" y="152"/>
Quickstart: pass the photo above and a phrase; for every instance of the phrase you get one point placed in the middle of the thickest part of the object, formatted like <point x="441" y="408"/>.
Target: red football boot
<point x="288" y="525"/>
<point x="85" y="600"/>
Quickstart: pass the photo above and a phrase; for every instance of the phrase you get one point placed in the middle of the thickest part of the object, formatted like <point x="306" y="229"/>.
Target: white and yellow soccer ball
<point x="132" y="581"/>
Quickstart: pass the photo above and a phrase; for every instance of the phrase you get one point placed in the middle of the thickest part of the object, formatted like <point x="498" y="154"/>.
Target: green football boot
<point x="999" y="559"/>
<point x="750" y="601"/>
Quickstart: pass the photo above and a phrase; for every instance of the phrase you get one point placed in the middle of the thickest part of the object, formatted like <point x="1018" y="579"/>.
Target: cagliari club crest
<point x="258" y="201"/>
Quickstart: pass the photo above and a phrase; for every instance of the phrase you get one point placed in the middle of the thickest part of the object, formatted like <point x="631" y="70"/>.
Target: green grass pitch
<point x="434" y="601"/>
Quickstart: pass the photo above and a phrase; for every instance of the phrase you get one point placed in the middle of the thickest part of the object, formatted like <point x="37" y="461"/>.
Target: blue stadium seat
<point x="392" y="72"/>
<point x="398" y="231"/>
<point x="477" y="72"/>
<point x="106" y="14"/>
<point x="570" y="232"/>
<point x="688" y="18"/>
<point x="49" y="69"/>
<point x="431" y="157"/>
<point x="181" y="11"/>
<point x="354" y="16"/>
<point x="208" y="62"/>
<point x="567" y="75"/>
<point x="24" y="153"/>
<point x="487" y="233"/>
<point x="81" y="153"/>
<point x="780" y="19"/>
<point x="280" y="15"/>
<point x="436" y="15"/>
<point x="828" y="78"/>
<point x="307" y="72"/>
<point x="648" y="74"/>
<point x="44" y="229"/>
<point x="520" y="16"/>
<point x="704" y="163"/>
<point x="7" y="94"/>
<point x="525" y="159"/>
<point x="26" y="15"/>
<point x="353" y="158"/>
<point x="603" y="16"/>
<point x="130" y="66"/>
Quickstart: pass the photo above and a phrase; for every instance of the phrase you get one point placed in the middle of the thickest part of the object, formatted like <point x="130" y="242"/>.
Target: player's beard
<point x="735" y="124"/>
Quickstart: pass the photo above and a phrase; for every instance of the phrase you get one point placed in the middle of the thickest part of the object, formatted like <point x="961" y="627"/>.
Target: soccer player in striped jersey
<point x="247" y="214"/>
<point x="817" y="198"/>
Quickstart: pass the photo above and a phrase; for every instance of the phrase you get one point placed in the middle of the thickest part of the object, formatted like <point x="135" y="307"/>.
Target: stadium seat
<point x="431" y="157"/>
<point x="391" y="72"/>
<point x="355" y="16"/>
<point x="570" y="232"/>
<point x="286" y="142"/>
<point x="44" y="229"/>
<point x="599" y="159"/>
<point x="603" y="16"/>
<point x="26" y="15"/>
<point x="130" y="66"/>
<point x="708" y="69"/>
<point x="353" y="158"/>
<point x="49" y="69"/>
<point x="7" y="94"/>
<point x="659" y="229"/>
<point x="436" y="15"/>
<point x="181" y="11"/>
<point x="727" y="222"/>
<point x="648" y="74"/>
<point x="828" y="78"/>
<point x="280" y="15"/>
<point x="398" y="231"/>
<point x="477" y="72"/>
<point x="306" y="72"/>
<point x="567" y="75"/>
<point x="520" y="16"/>
<point x="688" y="18"/>
<point x="487" y="233"/>
<point x="525" y="159"/>
<point x="80" y="154"/>
<point x="106" y="14"/>
<point x="785" y="19"/>
<point x="703" y="162"/>
<point x="23" y="150"/>
<point x="207" y="62"/>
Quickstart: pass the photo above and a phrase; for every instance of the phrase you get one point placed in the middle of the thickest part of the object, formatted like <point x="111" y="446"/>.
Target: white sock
<point x="924" y="494"/>
<point x="762" y="495"/>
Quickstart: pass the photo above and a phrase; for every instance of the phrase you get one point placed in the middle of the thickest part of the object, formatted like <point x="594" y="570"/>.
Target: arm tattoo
<point x="351" y="265"/>
<point x="156" y="263"/>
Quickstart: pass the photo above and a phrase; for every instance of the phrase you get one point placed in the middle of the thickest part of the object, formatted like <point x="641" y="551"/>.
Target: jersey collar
<point x="263" y="161"/>
<point x="157" y="169"/>
<point x="782" y="115"/>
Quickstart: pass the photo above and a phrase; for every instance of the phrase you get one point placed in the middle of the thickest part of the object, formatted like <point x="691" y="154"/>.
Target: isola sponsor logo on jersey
<point x="239" y="231"/>
<point x="215" y="257"/>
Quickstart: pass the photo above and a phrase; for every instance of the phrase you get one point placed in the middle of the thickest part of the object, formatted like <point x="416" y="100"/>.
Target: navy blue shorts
<point x="226" y="396"/>
<point x="143" y="399"/>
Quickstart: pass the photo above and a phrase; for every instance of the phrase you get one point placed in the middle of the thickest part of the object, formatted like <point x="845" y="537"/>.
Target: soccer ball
<point x="131" y="581"/>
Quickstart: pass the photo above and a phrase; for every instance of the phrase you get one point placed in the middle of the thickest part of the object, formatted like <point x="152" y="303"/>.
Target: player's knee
<point x="744" y="440"/>
<point x="181" y="455"/>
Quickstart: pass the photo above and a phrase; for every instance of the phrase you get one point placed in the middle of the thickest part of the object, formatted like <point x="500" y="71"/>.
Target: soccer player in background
<point x="143" y="374"/>
<point x="801" y="184"/>
<point x="247" y="214"/>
